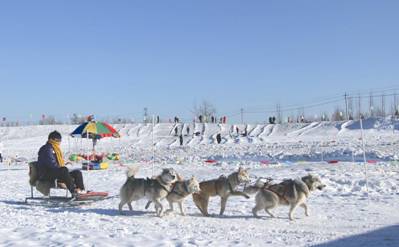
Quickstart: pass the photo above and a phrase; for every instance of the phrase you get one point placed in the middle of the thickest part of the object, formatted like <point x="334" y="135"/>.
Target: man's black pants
<point x="72" y="180"/>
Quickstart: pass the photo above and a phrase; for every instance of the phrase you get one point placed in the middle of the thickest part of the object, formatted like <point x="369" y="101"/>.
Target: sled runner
<point x="65" y="201"/>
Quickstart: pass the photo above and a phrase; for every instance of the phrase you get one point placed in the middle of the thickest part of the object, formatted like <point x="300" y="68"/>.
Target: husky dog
<point x="180" y="190"/>
<point x="154" y="189"/>
<point x="223" y="187"/>
<point x="289" y="192"/>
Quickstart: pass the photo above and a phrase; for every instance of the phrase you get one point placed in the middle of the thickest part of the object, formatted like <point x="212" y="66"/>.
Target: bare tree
<point x="337" y="115"/>
<point x="205" y="109"/>
<point x="77" y="119"/>
<point x="48" y="120"/>
<point x="324" y="116"/>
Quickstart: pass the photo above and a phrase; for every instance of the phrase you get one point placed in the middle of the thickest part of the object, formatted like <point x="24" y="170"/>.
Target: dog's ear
<point x="311" y="177"/>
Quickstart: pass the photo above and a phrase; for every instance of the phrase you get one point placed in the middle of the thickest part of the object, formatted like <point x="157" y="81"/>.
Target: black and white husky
<point x="154" y="189"/>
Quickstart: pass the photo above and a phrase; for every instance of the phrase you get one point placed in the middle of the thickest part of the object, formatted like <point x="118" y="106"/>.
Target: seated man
<point x="51" y="165"/>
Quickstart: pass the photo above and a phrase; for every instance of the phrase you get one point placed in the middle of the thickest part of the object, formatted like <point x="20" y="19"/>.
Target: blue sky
<point x="117" y="57"/>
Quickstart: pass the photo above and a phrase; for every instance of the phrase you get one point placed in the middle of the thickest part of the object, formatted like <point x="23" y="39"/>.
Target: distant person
<point x="51" y="165"/>
<point x="158" y="120"/>
<point x="181" y="139"/>
<point x="245" y="132"/>
<point x="237" y="130"/>
<point x="200" y="118"/>
<point x="188" y="130"/>
<point x="218" y="138"/>
<point x="1" y="152"/>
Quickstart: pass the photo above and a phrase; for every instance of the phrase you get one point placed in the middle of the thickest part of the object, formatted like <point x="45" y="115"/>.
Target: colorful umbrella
<point x="95" y="130"/>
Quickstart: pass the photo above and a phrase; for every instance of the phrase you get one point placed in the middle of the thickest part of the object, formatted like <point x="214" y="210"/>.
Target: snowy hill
<point x="298" y="141"/>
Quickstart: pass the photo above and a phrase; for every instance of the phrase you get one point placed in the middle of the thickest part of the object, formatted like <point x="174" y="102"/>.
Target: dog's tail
<point x="199" y="201"/>
<point x="179" y="177"/>
<point x="132" y="171"/>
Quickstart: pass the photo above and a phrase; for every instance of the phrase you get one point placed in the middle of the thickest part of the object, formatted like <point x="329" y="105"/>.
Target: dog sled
<point x="45" y="188"/>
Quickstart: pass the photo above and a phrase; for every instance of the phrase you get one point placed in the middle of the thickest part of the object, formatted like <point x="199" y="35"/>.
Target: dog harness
<point x="179" y="194"/>
<point x="280" y="195"/>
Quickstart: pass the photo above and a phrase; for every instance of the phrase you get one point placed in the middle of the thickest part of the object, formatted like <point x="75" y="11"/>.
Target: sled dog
<point x="289" y="192"/>
<point x="154" y="189"/>
<point x="223" y="187"/>
<point x="180" y="190"/>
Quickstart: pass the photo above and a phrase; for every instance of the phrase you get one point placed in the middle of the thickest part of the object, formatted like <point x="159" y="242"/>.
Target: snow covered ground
<point x="344" y="214"/>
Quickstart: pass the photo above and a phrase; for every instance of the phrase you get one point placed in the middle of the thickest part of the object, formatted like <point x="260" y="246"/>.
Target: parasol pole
<point x="364" y="158"/>
<point x="94" y="145"/>
<point x="88" y="160"/>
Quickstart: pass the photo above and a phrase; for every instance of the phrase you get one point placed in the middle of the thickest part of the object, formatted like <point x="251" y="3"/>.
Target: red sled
<point x="91" y="196"/>
<point x="333" y="161"/>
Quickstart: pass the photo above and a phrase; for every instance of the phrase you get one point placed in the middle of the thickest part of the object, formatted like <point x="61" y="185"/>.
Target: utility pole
<point x="360" y="106"/>
<point x="346" y="105"/>
<point x="279" y="116"/>
<point x="145" y="114"/>
<point x="383" y="105"/>
<point x="371" y="105"/>
<point x="242" y="115"/>
<point x="350" y="108"/>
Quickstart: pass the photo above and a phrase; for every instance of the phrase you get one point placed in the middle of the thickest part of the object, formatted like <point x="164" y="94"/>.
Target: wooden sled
<point x="45" y="187"/>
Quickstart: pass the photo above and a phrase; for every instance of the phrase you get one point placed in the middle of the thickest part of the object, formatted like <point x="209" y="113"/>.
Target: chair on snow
<point x="43" y="186"/>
